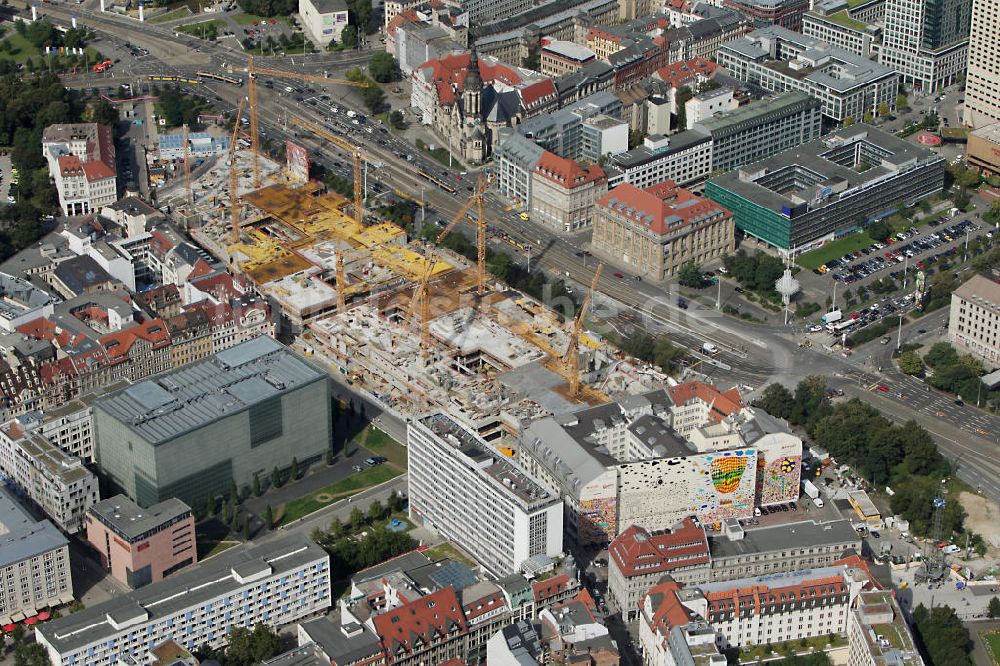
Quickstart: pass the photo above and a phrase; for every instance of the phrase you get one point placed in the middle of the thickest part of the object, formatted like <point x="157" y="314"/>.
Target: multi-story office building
<point x="926" y="41"/>
<point x="638" y="559"/>
<point x="323" y="20"/>
<point x="784" y="13"/>
<point x="982" y="152"/>
<point x="192" y="432"/>
<point x="81" y="160"/>
<point x="778" y="59"/>
<point x="274" y="584"/>
<point x="824" y="189"/>
<point x="761" y="129"/>
<point x="563" y="193"/>
<point x="877" y="632"/>
<point x="515" y="159"/>
<point x="684" y="158"/>
<point x="463" y="489"/>
<point x="655" y="231"/>
<point x="34" y="563"/>
<point x="56" y="481"/>
<point x="982" y="81"/>
<point x="831" y="22"/>
<point x="974" y="323"/>
<point x="141" y="546"/>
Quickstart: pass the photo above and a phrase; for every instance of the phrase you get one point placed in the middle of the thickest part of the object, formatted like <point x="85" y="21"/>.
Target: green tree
<point x="868" y="117"/>
<point x="395" y="502"/>
<point x="336" y="528"/>
<point x="376" y="511"/>
<point x="373" y="97"/>
<point x="994" y="608"/>
<point x="227" y="512"/>
<point x="690" y="275"/>
<point x="357" y="518"/>
<point x="776" y="400"/>
<point x="294" y="474"/>
<point x="257" y="490"/>
<point x="30" y="654"/>
<point x="848" y="121"/>
<point x="940" y="355"/>
<point x="396" y="120"/>
<point x="383" y="67"/>
<point x="269" y="517"/>
<point x="275" y="478"/>
<point x="246" y="529"/>
<point x="902" y="102"/>
<point x="911" y="363"/>
<point x="250" y="647"/>
<point x="328" y="456"/>
<point x="883" y="110"/>
<point x="681" y="97"/>
<point x="944" y="637"/>
<point x="234" y="493"/>
<point x="349" y="37"/>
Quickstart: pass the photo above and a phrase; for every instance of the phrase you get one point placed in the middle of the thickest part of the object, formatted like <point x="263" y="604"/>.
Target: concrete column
<point x="74" y="22"/>
<point x="34" y="12"/>
<point x="142" y="13"/>
<point x="102" y="6"/>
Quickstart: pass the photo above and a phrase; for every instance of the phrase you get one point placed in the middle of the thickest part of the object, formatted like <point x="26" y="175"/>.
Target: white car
<point x="815" y="328"/>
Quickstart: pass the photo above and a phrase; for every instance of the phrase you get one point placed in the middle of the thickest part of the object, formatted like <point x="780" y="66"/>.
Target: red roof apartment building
<point x="81" y="160"/>
<point x="654" y="231"/>
<point x="563" y="193"/>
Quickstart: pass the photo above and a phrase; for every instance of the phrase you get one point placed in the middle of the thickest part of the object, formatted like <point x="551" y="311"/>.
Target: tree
<point x="868" y="117"/>
<point x="227" y="512"/>
<point x="902" y="102"/>
<point x="249" y="647"/>
<point x="690" y="275"/>
<point x="383" y="67"/>
<point x="257" y="490"/>
<point x="30" y="654"/>
<point x="376" y="511"/>
<point x="397" y="121"/>
<point x="373" y="97"/>
<point x="349" y="37"/>
<point x="883" y="110"/>
<point x="246" y="529"/>
<point x="357" y="518"/>
<point x="268" y="7"/>
<point x="681" y="97"/>
<point x="994" y="607"/>
<point x="275" y="478"/>
<point x="940" y="355"/>
<point x="945" y="639"/>
<point x="294" y="474"/>
<point x="234" y="493"/>
<point x="336" y="529"/>
<point x="395" y="502"/>
<point x="848" y="121"/>
<point x="776" y="401"/>
<point x="911" y="363"/>
<point x="269" y="517"/>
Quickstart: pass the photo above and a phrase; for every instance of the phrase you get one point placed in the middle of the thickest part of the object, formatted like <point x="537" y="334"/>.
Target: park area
<point x="992" y="641"/>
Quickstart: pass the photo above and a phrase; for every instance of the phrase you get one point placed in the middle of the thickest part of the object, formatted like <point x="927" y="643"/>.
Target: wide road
<point x="751" y="354"/>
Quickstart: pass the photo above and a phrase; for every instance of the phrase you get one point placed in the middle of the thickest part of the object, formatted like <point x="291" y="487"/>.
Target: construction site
<point x="415" y="325"/>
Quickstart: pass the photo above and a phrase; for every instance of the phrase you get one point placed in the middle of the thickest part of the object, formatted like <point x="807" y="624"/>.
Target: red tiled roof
<point x="723" y="403"/>
<point x="566" y="172"/>
<point x="546" y="589"/>
<point x="680" y="73"/>
<point x="761" y="598"/>
<point x="97" y="171"/>
<point x="405" y="16"/>
<point x="409" y="628"/>
<point x="668" y="611"/>
<point x="859" y="562"/>
<point x="484" y="605"/>
<point x="159" y="243"/>
<point x="661" y="208"/>
<point x="119" y="343"/>
<point x="69" y="166"/>
<point x="636" y="552"/>
<point x="538" y="91"/>
<point x="448" y="74"/>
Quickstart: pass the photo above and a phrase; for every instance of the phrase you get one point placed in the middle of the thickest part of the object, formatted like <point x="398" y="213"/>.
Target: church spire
<point x="473" y="87"/>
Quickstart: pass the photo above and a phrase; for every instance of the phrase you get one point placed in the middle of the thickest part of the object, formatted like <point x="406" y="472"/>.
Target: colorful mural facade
<point x="779" y="469"/>
<point x="723" y="484"/>
<point x="598" y="520"/>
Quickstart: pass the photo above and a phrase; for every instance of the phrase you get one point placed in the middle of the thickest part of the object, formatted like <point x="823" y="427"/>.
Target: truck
<point x="832" y="316"/>
<point x="809" y="488"/>
<point x="102" y="67"/>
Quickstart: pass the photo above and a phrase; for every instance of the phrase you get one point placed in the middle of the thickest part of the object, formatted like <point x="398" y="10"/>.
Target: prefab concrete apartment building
<point x="191" y="432"/>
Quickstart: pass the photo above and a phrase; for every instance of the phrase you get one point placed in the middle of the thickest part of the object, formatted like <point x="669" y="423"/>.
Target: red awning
<point x="9" y="627"/>
<point x="31" y="620"/>
<point x="44" y="615"/>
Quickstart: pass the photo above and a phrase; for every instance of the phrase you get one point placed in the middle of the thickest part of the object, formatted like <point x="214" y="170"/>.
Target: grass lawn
<point x="20" y="48"/>
<point x="194" y="29"/>
<point x="172" y="15"/>
<point x="213" y="545"/>
<point x="378" y="442"/>
<point x="352" y="485"/>
<point x="842" y="18"/>
<point x="992" y="640"/>
<point x="247" y="19"/>
<point x="834" y="250"/>
<point x="443" y="550"/>
<point x="817" y="642"/>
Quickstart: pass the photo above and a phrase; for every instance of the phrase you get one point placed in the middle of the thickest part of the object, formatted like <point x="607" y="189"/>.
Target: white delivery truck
<point x="809" y="488"/>
<point x="832" y="316"/>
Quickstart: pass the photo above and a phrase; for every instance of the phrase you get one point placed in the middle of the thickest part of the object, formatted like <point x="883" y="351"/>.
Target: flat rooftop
<point x="803" y="534"/>
<point x="130" y="520"/>
<point x="519" y="485"/>
<point x="192" y="587"/>
<point x="886" y="634"/>
<point x="21" y="536"/>
<point x="826" y="169"/>
<point x="164" y="407"/>
<point x="774" y="580"/>
<point x="727" y="123"/>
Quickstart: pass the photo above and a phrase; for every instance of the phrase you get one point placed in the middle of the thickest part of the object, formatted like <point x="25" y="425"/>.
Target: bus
<point x="233" y="80"/>
<point x="840" y="326"/>
<point x="444" y="186"/>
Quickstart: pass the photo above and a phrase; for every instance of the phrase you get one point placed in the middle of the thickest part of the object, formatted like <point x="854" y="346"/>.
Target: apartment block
<point x="654" y="231"/>
<point x="778" y="59"/>
<point x="831" y="22"/>
<point x="485" y="503"/>
<point x="982" y="81"/>
<point x="141" y="546"/>
<point x="564" y="193"/>
<point x="877" y="632"/>
<point x="684" y="158"/>
<point x="56" y="481"/>
<point x="34" y="563"/>
<point x="974" y="322"/>
<point x="275" y="584"/>
<point x="81" y="161"/>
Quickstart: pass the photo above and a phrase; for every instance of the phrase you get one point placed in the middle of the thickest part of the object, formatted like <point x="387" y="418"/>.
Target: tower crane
<point x="475" y="200"/>
<point x="420" y="304"/>
<point x="571" y="360"/>
<point x="359" y="194"/>
<point x="252" y="73"/>
<point x="234" y="177"/>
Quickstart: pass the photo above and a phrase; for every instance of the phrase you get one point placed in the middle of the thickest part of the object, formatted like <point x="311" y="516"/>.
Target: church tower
<point x="472" y="93"/>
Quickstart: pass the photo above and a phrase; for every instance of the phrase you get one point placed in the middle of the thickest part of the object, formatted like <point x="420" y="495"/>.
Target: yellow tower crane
<point x="234" y="177"/>
<point x="420" y="304"/>
<point x="252" y="74"/>
<point x="475" y="200"/>
<point x="571" y="360"/>
<point x="344" y="144"/>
